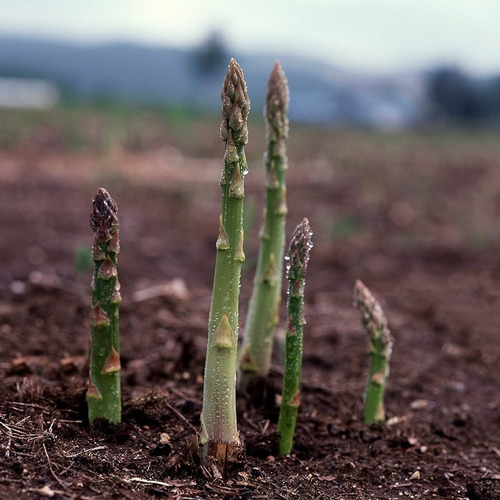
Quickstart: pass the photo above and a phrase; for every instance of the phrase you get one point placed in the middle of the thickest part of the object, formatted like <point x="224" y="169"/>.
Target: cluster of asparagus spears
<point x="219" y="433"/>
<point x="219" y="438"/>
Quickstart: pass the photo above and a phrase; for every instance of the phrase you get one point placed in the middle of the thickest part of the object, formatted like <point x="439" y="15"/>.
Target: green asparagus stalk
<point x="104" y="393"/>
<point x="219" y="434"/>
<point x="263" y="314"/>
<point x="298" y="258"/>
<point x="379" y="349"/>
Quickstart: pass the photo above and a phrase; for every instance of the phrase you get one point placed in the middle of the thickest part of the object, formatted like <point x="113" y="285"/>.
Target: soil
<point x="416" y="221"/>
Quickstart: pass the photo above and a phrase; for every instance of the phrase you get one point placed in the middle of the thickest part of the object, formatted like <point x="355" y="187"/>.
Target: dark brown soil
<point x="416" y="219"/>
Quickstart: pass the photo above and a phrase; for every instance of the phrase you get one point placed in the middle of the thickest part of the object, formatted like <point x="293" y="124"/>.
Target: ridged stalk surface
<point x="379" y="350"/>
<point x="298" y="258"/>
<point x="104" y="392"/>
<point x="263" y="313"/>
<point x="219" y="434"/>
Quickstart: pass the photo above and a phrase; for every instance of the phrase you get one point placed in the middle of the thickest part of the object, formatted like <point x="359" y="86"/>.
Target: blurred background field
<point x="399" y="189"/>
<point x="394" y="108"/>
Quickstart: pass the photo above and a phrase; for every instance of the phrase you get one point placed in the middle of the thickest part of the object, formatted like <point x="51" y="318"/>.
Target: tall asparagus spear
<point x="298" y="257"/>
<point x="219" y="433"/>
<point x="263" y="314"/>
<point x="104" y="392"/>
<point x="379" y="349"/>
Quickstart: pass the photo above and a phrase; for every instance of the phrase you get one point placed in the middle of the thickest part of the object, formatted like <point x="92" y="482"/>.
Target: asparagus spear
<point x="379" y="349"/>
<point x="104" y="392"/>
<point x="263" y="314"/>
<point x="219" y="433"/>
<point x="298" y="257"/>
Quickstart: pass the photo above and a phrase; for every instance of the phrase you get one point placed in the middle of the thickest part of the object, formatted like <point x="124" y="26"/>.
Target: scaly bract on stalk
<point x="298" y="258"/>
<point x="379" y="349"/>
<point x="104" y="392"/>
<point x="219" y="433"/>
<point x="263" y="313"/>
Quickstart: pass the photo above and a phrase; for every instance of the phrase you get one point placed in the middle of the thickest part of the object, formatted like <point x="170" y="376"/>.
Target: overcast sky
<point x="374" y="35"/>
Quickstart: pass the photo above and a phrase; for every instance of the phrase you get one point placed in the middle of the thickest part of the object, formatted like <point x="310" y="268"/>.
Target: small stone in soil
<point x="419" y="404"/>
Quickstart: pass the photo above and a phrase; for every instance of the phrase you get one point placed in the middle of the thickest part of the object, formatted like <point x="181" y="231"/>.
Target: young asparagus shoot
<point x="298" y="258"/>
<point x="263" y="314"/>
<point x="379" y="349"/>
<point x="104" y="392"/>
<point x="219" y="434"/>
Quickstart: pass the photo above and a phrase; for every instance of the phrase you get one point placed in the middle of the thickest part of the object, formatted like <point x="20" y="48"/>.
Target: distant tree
<point x="456" y="96"/>
<point x="211" y="55"/>
<point x="493" y="97"/>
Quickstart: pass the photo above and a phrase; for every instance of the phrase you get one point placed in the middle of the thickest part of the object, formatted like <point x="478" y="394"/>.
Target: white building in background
<point x="27" y="94"/>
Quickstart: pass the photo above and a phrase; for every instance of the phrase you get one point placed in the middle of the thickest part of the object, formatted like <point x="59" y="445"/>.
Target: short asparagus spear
<point x="263" y="314"/>
<point x="298" y="257"/>
<point x="104" y="393"/>
<point x="219" y="433"/>
<point x="379" y="349"/>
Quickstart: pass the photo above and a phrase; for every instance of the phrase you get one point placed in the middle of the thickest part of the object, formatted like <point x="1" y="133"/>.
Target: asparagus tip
<point x="277" y="100"/>
<point x="300" y="246"/>
<point x="103" y="219"/>
<point x="235" y="105"/>
<point x="372" y="315"/>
